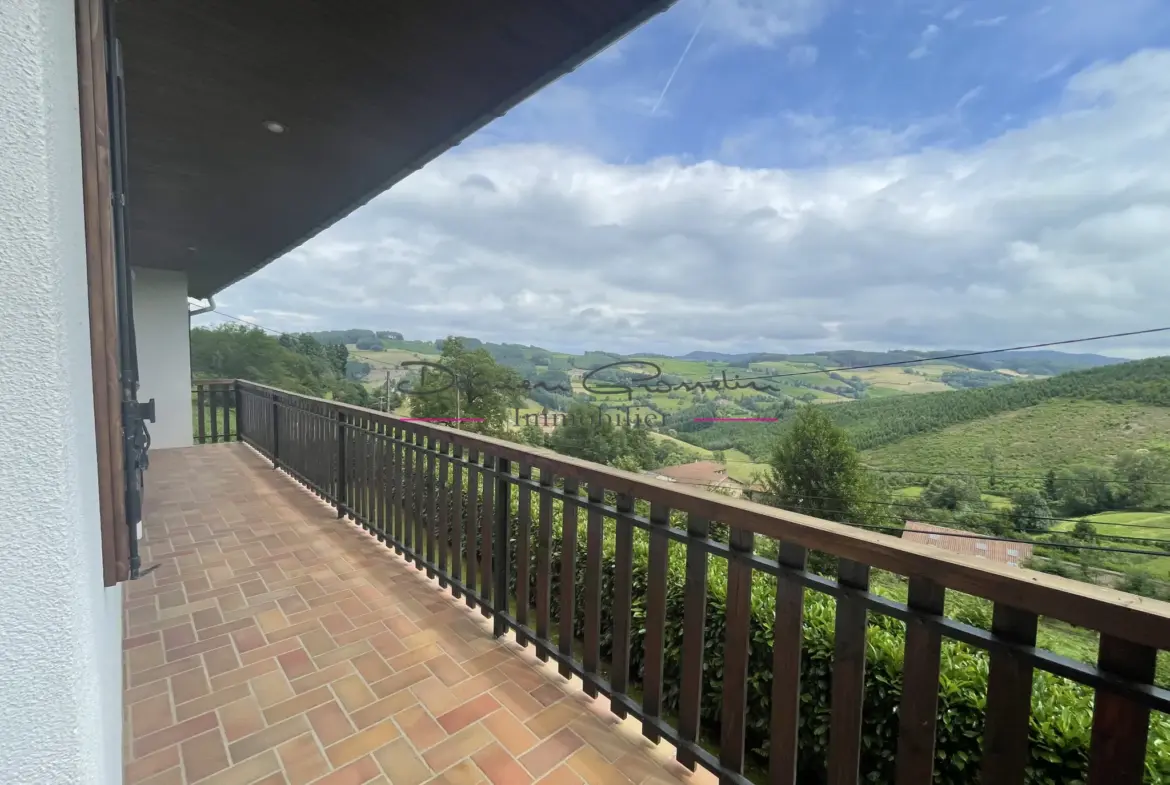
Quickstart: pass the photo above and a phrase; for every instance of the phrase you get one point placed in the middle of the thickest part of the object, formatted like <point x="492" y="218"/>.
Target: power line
<point x="961" y="535"/>
<point x="996" y="476"/>
<point x="959" y="355"/>
<point x="1066" y="546"/>
<point x="983" y="512"/>
<point x="892" y="364"/>
<point x="895" y="504"/>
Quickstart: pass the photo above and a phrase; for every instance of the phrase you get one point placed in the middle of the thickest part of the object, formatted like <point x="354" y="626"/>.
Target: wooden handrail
<point x="443" y="498"/>
<point x="1140" y="619"/>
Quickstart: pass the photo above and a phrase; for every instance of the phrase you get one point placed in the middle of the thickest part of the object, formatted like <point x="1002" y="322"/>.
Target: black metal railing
<point x="654" y="609"/>
<point x="215" y="408"/>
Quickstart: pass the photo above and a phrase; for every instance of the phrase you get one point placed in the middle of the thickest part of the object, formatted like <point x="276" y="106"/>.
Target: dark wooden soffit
<point x="368" y="91"/>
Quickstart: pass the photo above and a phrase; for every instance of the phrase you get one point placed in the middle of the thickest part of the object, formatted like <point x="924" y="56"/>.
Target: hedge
<point x="1061" y="710"/>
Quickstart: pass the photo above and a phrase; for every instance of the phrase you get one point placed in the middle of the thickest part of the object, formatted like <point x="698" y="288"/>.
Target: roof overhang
<point x="367" y="91"/>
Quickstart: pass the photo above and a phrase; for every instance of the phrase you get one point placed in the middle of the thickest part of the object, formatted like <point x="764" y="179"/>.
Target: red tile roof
<point x="969" y="544"/>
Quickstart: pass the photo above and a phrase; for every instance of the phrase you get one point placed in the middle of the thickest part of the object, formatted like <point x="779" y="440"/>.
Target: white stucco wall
<point x="164" y="354"/>
<point x="60" y="639"/>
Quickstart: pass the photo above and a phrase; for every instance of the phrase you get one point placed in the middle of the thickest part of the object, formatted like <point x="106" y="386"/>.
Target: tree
<point x="532" y="435"/>
<point x="236" y="351"/>
<point x="953" y="493"/>
<point x="1050" y="491"/>
<point x="1085" y="489"/>
<point x="353" y="393"/>
<point x="1140" y="476"/>
<point x="1030" y="511"/>
<point x="339" y="354"/>
<point x="357" y="371"/>
<point x="815" y="470"/>
<point x="471" y="384"/>
<point x="627" y="463"/>
<point x="587" y="433"/>
<point x="1085" y="531"/>
<point x="991" y="455"/>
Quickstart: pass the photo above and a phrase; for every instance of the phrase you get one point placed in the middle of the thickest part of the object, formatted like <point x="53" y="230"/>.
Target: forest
<point x="296" y="362"/>
<point x="874" y="422"/>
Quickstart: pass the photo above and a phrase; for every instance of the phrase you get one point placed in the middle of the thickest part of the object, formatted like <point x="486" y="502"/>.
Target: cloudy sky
<point x="819" y="174"/>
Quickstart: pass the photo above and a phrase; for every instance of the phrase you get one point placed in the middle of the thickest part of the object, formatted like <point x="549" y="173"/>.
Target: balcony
<point x="398" y="602"/>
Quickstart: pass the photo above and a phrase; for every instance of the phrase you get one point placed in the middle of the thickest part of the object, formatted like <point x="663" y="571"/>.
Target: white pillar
<point x="163" y="331"/>
<point x="60" y="633"/>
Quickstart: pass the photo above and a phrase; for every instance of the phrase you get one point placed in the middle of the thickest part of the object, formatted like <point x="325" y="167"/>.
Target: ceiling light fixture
<point x="274" y="127"/>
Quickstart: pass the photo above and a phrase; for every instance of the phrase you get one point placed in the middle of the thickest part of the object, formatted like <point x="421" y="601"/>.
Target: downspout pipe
<point x="206" y="309"/>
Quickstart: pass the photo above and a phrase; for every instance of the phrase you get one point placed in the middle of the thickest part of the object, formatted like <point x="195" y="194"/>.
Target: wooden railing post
<point x="239" y="395"/>
<point x="1121" y="727"/>
<point x="694" y="631"/>
<point x="848" y="679"/>
<point x="342" y="485"/>
<point x="500" y="543"/>
<point x="200" y="416"/>
<point x="275" y="431"/>
<point x="1009" y="698"/>
<point x="918" y="710"/>
<point x="787" y="641"/>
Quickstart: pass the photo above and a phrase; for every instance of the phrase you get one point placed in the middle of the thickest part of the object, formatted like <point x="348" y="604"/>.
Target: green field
<point x="993" y="502"/>
<point x="924" y="379"/>
<point x="1146" y="525"/>
<point x="698" y="453"/>
<point x="1051" y="435"/>
<point x="696" y="370"/>
<point x="740" y="466"/>
<point x="1153" y="525"/>
<point x="389" y="357"/>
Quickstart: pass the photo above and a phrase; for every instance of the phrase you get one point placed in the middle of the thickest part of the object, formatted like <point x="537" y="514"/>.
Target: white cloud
<point x="754" y="22"/>
<point x="994" y="21"/>
<point x="794" y="139"/>
<point x="1055" y="230"/>
<point x="969" y="96"/>
<point x="924" y="40"/>
<point x="802" y="56"/>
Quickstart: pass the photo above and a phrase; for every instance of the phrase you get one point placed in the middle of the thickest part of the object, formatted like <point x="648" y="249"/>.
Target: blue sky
<point x="820" y="174"/>
<point x="914" y="73"/>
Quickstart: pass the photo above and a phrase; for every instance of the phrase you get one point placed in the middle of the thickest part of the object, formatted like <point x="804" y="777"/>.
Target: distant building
<point x="708" y="474"/>
<point x="968" y="544"/>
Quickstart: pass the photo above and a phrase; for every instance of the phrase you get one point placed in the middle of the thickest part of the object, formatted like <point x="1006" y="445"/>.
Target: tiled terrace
<point x="275" y="644"/>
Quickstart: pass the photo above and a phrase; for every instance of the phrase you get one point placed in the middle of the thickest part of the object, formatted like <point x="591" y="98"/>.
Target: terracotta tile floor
<point x="277" y="645"/>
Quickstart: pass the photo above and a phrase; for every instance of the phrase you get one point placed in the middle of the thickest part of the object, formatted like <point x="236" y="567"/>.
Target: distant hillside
<point x="1033" y="363"/>
<point x="1032" y="440"/>
<point x="875" y="422"/>
<point x="1044" y="362"/>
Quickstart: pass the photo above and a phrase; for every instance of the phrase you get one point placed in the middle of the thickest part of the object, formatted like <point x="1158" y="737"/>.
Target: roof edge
<point x="489" y="114"/>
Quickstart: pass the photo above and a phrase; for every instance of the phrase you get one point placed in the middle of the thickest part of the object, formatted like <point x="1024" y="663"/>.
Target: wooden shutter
<point x="99" y="253"/>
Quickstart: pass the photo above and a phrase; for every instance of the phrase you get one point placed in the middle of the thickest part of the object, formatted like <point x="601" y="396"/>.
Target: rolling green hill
<point x="876" y="422"/>
<point x="1051" y="435"/>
